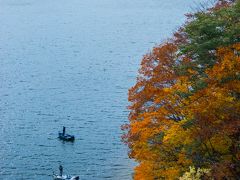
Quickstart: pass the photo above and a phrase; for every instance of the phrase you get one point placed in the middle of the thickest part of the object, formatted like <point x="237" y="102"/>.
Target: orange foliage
<point x="185" y="111"/>
<point x="173" y="126"/>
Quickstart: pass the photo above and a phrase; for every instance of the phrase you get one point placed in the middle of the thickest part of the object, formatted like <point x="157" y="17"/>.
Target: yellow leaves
<point x="176" y="135"/>
<point x="192" y="72"/>
<point x="183" y="160"/>
<point x="149" y="171"/>
<point x="195" y="174"/>
<point x="171" y="173"/>
<point x="221" y="143"/>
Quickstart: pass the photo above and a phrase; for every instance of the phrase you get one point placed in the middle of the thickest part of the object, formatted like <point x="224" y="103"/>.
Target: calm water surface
<point x="71" y="63"/>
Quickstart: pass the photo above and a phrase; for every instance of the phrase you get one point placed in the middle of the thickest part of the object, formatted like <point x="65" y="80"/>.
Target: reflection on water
<point x="71" y="63"/>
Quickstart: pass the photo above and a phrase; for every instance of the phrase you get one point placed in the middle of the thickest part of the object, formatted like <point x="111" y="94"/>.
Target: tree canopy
<point x="185" y="105"/>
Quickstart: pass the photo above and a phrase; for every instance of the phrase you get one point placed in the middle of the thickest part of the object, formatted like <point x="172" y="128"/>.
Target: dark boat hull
<point x="66" y="137"/>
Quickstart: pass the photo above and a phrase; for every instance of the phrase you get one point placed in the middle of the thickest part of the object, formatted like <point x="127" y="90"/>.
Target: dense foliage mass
<point x="185" y="107"/>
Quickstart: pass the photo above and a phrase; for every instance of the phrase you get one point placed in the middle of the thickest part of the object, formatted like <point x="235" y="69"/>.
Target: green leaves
<point x="210" y="30"/>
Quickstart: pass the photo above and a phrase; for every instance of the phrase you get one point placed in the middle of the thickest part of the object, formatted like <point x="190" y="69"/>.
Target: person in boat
<point x="61" y="170"/>
<point x="64" y="128"/>
<point x="64" y="177"/>
<point x="65" y="137"/>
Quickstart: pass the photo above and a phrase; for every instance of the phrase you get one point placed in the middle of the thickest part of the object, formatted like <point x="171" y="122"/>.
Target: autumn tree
<point x="185" y="106"/>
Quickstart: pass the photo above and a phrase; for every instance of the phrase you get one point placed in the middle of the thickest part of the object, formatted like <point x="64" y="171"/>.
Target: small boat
<point x="64" y="177"/>
<point x="65" y="137"/>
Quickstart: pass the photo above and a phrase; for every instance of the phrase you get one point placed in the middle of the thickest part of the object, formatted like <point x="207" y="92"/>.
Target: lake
<point x="71" y="63"/>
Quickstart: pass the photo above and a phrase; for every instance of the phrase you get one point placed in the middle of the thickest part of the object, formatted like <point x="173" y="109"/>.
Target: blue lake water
<point x="71" y="63"/>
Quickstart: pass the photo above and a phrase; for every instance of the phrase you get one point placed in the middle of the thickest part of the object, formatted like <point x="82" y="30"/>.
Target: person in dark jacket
<point x="61" y="170"/>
